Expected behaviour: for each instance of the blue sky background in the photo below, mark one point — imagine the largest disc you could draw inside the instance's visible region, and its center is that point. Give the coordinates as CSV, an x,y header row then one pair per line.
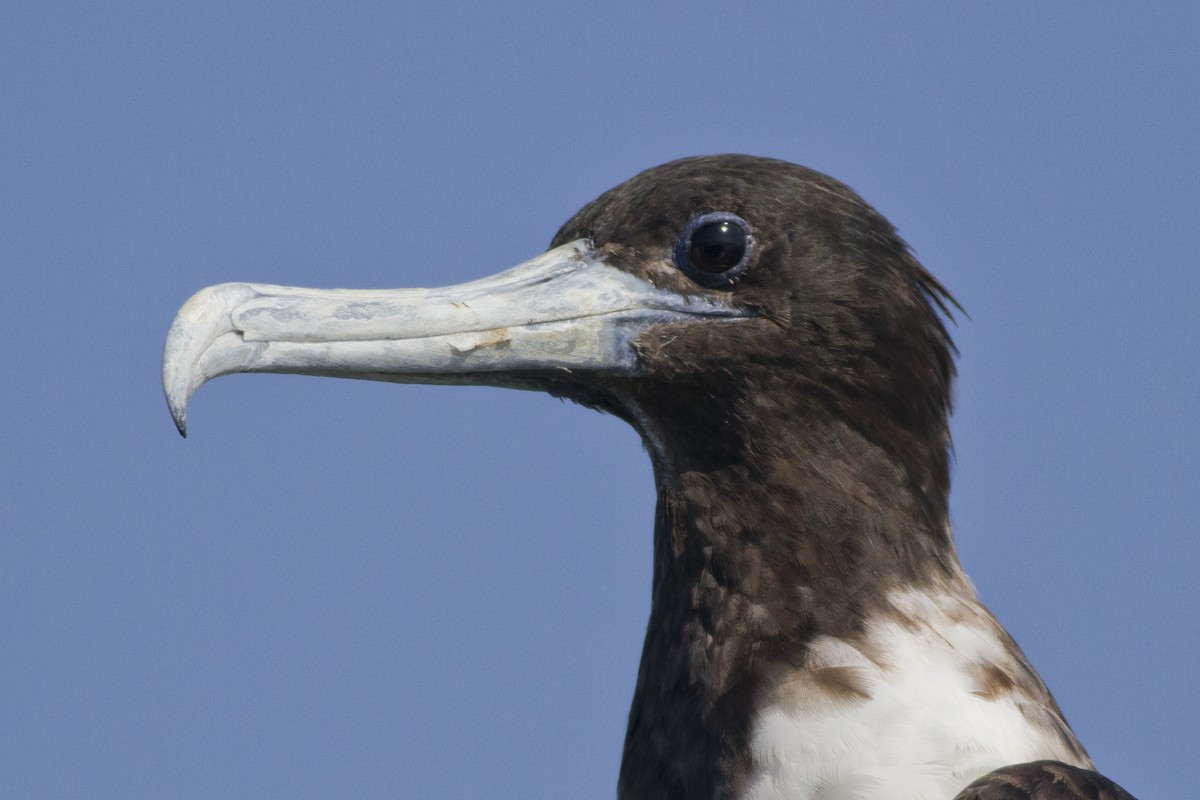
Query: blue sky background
x,y
346,589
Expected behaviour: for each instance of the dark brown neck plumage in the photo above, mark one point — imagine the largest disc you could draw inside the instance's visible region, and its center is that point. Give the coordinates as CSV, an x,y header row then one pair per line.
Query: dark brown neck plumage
x,y
763,542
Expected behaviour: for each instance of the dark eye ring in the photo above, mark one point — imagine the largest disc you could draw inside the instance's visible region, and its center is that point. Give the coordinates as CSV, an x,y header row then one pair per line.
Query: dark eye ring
x,y
715,249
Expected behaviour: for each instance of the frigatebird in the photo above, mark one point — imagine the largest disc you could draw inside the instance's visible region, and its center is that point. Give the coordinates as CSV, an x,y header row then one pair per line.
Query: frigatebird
x,y
785,359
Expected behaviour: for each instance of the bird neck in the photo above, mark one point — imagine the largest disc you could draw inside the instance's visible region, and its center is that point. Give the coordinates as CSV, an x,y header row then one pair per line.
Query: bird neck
x,y
762,543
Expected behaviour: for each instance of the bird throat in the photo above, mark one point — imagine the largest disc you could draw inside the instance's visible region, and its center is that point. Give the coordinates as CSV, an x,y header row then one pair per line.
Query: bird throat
x,y
762,545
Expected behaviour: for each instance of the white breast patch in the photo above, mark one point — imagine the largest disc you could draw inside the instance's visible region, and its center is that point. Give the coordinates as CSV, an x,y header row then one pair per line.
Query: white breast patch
x,y
908,717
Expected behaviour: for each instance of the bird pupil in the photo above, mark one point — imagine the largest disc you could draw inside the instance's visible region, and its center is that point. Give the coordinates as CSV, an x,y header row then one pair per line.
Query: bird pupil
x,y
717,246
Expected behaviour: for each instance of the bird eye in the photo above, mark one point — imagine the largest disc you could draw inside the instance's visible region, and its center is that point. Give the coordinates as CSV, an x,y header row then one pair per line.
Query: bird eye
x,y
714,249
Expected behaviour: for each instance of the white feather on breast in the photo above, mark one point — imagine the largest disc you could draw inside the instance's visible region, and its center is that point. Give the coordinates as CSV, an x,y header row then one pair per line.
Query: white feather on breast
x,y
933,696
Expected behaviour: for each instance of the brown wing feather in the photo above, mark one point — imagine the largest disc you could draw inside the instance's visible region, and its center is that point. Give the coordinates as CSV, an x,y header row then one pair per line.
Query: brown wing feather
x,y
1043,780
